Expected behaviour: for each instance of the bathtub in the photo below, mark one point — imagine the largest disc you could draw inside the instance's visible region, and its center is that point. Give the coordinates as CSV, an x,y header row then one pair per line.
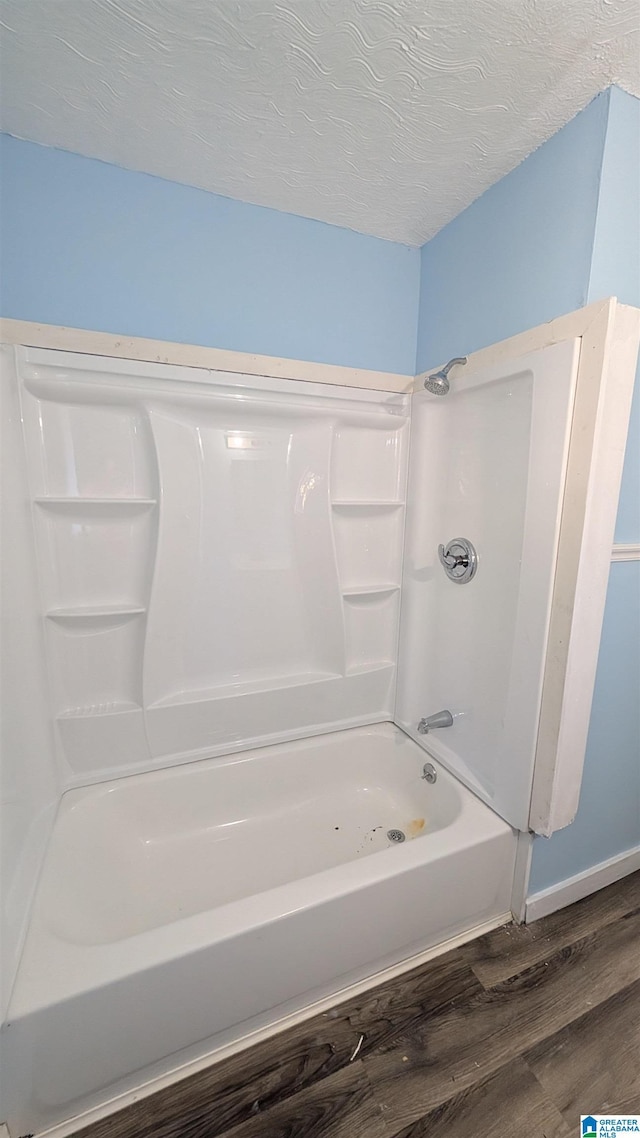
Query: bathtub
x,y
179,909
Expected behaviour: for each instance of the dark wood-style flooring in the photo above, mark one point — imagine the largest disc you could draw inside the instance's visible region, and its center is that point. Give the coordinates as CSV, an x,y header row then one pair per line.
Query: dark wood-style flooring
x,y
518,1032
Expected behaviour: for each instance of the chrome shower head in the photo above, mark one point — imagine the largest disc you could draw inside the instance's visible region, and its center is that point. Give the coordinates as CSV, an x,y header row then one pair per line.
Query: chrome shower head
x,y
438,383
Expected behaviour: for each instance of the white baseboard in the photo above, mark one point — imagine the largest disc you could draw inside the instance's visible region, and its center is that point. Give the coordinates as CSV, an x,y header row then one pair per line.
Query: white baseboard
x,y
581,885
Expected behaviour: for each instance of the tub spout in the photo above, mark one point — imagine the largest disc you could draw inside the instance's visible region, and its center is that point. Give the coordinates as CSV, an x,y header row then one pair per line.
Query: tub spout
x,y
440,719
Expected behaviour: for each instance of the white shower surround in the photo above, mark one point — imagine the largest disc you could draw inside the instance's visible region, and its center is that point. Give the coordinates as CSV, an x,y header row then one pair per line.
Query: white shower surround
x,y
365,482
385,118
219,556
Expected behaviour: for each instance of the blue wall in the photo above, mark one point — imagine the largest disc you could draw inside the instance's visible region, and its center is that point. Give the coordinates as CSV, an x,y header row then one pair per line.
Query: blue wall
x,y
521,254
93,246
615,266
558,232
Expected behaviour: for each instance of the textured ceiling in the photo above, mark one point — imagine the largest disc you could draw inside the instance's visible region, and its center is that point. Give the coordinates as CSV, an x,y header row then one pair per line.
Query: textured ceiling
x,y
386,116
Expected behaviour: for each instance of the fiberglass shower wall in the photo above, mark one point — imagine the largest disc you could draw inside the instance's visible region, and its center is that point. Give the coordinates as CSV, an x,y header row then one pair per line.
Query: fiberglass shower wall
x,y
219,559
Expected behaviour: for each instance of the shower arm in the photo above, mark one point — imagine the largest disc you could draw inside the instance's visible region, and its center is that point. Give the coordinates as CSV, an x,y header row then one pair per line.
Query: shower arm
x,y
444,372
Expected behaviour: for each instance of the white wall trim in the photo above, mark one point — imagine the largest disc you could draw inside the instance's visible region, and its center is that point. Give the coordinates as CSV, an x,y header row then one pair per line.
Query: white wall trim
x,y
574,888
58,337
607,368
626,552
192,355
565,327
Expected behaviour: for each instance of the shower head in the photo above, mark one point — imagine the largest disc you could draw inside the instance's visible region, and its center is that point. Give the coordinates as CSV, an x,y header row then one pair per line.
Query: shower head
x,y
438,383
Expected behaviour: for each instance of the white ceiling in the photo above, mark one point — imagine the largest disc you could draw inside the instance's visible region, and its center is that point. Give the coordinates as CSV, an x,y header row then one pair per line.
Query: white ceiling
x,y
386,116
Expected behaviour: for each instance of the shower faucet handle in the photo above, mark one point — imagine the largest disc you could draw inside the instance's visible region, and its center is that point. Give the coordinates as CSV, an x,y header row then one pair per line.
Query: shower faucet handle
x,y
451,560
459,560
439,719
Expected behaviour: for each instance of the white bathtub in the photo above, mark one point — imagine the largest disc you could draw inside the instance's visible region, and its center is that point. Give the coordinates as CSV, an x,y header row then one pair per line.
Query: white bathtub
x,y
179,909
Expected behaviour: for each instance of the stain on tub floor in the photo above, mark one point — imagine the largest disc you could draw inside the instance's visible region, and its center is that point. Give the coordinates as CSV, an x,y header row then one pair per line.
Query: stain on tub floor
x,y
415,827
518,1032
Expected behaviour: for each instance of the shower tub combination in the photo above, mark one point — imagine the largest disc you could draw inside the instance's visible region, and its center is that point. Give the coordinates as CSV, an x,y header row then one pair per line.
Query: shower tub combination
x,y
224,706
180,909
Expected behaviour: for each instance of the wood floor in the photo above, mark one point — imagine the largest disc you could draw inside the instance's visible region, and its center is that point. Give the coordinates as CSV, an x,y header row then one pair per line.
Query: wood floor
x,y
517,1033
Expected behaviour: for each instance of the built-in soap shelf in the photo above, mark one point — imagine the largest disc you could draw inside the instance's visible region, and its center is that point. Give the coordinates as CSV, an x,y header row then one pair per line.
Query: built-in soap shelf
x,y
366,504
96,551
95,710
84,503
90,613
353,592
370,616
96,655
367,533
368,669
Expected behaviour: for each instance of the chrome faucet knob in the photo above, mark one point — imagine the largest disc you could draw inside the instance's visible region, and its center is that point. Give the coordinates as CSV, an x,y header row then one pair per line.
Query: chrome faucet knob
x,y
459,560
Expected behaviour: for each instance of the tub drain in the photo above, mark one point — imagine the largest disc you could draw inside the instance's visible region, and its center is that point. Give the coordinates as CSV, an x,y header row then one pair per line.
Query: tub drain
x,y
395,836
